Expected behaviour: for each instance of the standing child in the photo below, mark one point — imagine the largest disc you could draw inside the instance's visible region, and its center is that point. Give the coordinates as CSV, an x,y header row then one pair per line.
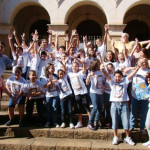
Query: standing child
x,y
50,82
119,102
65,98
147,80
97,79
14,85
35,93
80,90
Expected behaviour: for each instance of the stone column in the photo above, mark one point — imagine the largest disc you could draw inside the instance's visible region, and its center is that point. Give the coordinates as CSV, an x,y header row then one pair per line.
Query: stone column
x,y
115,31
4,31
61,30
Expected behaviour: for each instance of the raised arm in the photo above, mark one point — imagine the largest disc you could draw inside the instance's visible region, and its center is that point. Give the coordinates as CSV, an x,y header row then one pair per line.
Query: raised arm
x,y
23,40
56,42
67,41
125,51
133,73
16,38
105,72
11,44
114,49
50,36
85,41
106,32
134,48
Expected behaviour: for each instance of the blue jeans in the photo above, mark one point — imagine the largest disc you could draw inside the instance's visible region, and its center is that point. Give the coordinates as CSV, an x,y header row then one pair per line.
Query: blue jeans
x,y
52,108
66,104
20,101
120,110
107,108
137,105
97,101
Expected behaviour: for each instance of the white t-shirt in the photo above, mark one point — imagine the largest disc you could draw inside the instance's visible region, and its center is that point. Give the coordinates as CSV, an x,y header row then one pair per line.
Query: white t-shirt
x,y
97,83
119,90
102,50
107,86
22,61
34,87
64,86
15,85
139,77
35,63
53,90
77,83
41,67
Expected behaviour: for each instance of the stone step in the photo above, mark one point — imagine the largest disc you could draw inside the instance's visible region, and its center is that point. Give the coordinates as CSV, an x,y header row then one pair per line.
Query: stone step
x,y
63,144
81,133
7,74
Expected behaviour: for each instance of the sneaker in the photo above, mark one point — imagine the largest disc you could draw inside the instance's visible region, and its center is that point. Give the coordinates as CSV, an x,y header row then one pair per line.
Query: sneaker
x,y
129,141
71,125
63,125
91,106
115,140
89,126
47,125
97,126
9,123
21,123
79,125
146,143
56,125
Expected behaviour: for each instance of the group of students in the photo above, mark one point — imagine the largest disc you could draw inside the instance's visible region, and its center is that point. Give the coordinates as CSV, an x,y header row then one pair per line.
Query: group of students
x,y
117,80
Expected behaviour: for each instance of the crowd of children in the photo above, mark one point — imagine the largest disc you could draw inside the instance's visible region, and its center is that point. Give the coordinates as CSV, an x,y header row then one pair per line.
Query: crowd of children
x,y
116,80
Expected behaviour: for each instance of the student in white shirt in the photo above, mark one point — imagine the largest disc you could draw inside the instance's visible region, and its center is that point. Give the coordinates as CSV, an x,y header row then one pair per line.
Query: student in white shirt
x,y
50,82
136,103
35,93
80,90
65,99
119,102
14,85
96,78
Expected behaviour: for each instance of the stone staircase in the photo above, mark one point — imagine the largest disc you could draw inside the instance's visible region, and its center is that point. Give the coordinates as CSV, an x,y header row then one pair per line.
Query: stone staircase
x,y
35,138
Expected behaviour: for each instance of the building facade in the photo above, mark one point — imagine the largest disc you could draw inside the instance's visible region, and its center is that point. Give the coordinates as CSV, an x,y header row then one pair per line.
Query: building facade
x,y
87,16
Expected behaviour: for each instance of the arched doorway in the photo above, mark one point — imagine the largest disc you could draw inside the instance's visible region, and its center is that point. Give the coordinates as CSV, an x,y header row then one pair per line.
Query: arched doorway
x,y
88,20
89,28
137,29
138,22
30,18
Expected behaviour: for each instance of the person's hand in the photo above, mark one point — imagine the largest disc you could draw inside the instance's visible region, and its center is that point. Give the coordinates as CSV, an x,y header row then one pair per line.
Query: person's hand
x,y
82,60
136,41
92,73
49,31
30,98
98,53
102,67
14,32
74,32
106,27
84,38
23,36
15,45
10,36
67,38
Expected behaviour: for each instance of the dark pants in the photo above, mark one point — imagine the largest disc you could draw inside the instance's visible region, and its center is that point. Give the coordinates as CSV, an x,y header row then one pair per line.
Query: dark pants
x,y
39,106
66,104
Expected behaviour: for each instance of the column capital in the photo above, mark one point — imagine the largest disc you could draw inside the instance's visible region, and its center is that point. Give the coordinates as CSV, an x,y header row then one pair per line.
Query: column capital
x,y
59,28
116,29
5,28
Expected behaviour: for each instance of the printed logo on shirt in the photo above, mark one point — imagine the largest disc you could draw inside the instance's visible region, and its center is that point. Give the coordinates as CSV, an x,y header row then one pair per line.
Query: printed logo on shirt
x,y
118,91
16,88
76,84
53,88
99,82
64,87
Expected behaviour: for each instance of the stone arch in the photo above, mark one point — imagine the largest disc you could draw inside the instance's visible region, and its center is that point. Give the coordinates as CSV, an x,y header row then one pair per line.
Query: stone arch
x,y
137,17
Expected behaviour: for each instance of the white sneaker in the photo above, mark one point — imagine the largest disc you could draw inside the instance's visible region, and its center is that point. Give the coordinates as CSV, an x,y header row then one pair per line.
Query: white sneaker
x,y
129,141
79,125
56,125
115,140
146,143
63,125
71,125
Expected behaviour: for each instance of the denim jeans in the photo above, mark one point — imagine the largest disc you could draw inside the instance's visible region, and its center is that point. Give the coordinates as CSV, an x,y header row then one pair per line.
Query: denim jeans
x,y
97,101
39,106
107,107
120,110
66,104
52,108
137,105
148,123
